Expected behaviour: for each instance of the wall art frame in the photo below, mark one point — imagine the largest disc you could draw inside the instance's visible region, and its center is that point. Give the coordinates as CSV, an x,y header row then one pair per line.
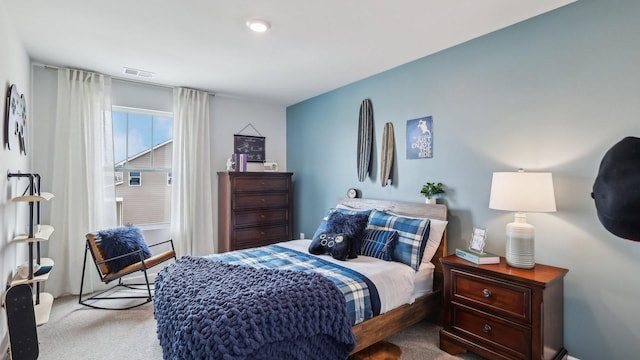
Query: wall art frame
x,y
253,146
478,240
420,138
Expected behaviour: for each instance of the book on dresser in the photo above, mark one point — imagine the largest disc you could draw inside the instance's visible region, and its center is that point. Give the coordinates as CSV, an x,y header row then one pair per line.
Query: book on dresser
x,y
478,258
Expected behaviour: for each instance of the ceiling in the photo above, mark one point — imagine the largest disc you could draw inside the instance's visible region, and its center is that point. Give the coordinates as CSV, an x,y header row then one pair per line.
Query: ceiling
x,y
312,47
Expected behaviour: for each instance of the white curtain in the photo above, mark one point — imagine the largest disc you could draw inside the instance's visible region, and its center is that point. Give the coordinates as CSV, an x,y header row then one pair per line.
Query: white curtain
x,y
83,178
191,203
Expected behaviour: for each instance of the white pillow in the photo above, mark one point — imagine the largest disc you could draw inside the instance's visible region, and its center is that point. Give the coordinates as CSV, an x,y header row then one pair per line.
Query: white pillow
x,y
436,230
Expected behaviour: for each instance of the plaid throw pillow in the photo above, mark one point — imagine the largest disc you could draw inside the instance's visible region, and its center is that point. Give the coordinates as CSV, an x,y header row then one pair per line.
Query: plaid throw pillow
x,y
411,235
379,244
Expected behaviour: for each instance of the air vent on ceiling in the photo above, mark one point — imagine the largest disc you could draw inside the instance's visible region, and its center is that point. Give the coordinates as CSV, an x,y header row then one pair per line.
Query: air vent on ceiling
x,y
137,73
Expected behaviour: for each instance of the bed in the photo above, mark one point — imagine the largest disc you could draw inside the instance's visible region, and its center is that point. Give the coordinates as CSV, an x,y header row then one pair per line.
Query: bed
x,y
176,283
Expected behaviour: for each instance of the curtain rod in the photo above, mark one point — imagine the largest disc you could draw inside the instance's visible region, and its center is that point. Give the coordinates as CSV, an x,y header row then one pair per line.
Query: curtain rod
x,y
53,67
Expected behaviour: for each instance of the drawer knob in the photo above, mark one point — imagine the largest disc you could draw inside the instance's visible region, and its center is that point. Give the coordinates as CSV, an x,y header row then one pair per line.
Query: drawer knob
x,y
486,328
486,293
263,200
262,183
262,233
261,216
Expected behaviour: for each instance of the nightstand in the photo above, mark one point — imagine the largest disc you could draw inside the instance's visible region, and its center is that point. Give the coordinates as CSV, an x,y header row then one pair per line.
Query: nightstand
x,y
502,312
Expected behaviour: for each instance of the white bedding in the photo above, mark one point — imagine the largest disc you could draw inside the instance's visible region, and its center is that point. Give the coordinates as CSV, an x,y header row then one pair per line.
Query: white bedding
x,y
397,283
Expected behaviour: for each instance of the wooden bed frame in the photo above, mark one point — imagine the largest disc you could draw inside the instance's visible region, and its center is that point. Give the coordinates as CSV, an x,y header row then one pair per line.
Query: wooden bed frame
x,y
373,330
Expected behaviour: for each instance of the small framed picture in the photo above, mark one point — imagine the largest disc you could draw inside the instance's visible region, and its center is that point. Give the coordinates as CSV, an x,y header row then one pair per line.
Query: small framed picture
x,y
478,239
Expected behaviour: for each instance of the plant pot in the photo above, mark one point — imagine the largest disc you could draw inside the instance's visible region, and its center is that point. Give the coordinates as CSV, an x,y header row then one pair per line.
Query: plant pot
x,y
430,200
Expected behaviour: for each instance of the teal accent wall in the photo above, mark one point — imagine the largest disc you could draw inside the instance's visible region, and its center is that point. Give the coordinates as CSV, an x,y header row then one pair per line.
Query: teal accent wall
x,y
553,93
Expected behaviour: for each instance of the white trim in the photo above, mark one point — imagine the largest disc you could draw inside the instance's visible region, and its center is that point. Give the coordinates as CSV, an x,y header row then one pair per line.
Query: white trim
x,y
127,109
569,357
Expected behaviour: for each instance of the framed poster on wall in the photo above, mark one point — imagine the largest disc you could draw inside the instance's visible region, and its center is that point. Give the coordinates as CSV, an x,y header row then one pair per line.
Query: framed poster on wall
x,y
420,138
253,146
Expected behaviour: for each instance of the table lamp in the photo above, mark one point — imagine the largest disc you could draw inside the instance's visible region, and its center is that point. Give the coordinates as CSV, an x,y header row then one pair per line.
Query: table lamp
x,y
521,192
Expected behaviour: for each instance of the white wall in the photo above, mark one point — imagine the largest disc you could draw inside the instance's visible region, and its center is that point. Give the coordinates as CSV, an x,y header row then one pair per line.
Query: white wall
x,y
228,116
14,69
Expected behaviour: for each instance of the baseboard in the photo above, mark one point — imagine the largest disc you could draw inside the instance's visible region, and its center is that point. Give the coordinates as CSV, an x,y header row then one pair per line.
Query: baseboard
x,y
571,358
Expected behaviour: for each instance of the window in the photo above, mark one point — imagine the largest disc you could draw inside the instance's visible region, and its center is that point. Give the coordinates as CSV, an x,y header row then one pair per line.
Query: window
x,y
143,147
135,178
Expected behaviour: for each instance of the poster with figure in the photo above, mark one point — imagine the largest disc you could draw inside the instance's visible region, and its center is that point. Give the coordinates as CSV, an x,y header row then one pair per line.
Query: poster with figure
x,y
420,138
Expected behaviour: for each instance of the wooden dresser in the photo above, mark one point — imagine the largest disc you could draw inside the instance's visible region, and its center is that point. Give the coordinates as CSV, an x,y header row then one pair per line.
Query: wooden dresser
x,y
502,312
254,209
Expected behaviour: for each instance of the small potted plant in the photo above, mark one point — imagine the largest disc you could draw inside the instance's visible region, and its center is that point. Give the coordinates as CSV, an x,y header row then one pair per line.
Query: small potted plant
x,y
431,190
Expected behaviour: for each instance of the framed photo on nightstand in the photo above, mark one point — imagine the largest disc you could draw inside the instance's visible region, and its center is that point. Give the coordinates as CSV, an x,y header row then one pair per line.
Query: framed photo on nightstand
x,y
478,240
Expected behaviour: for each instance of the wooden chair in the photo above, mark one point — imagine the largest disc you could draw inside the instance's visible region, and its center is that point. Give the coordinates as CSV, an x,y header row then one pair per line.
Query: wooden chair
x,y
93,247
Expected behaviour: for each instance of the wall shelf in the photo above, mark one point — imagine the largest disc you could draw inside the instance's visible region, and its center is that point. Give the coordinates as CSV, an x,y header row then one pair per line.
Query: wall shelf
x,y
37,233
41,233
44,262
43,309
43,196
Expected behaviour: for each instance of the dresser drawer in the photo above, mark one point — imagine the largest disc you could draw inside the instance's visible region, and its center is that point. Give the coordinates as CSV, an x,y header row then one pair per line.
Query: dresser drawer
x,y
499,297
257,201
259,236
266,216
503,336
261,183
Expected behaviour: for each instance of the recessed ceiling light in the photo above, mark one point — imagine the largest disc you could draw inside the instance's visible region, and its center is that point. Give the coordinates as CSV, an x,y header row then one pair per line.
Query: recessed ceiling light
x,y
258,25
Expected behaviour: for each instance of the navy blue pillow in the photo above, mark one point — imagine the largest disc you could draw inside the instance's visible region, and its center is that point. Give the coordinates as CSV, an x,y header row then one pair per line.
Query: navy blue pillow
x,y
322,228
121,241
336,245
379,244
352,225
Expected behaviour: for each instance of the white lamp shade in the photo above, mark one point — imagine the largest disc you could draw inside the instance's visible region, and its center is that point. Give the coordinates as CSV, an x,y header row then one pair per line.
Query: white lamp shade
x,y
522,192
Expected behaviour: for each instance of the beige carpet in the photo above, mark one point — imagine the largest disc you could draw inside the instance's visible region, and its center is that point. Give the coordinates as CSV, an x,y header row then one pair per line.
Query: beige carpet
x,y
78,332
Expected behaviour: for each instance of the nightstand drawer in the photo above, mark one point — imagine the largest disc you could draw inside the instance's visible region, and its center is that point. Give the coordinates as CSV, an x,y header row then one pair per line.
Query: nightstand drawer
x,y
505,337
256,201
498,297
267,216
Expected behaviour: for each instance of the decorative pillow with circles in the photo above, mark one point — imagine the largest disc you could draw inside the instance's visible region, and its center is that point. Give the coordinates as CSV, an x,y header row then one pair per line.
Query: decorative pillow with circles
x,y
336,245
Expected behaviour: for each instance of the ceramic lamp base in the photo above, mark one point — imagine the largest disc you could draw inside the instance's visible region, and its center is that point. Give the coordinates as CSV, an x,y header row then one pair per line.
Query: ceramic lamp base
x,y
520,249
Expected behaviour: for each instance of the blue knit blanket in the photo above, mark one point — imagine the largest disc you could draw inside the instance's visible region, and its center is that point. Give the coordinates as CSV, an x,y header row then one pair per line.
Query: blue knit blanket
x,y
361,295
212,310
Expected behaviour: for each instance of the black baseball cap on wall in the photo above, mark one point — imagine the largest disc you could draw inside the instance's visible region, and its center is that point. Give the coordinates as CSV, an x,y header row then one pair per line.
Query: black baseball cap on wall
x,y
616,190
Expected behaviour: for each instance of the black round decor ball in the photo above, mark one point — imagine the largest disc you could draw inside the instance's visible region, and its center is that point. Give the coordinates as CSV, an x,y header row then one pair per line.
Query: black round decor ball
x,y
616,190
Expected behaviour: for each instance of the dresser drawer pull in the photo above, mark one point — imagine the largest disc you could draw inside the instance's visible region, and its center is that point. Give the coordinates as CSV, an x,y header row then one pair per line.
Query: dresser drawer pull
x,y
262,233
261,216
486,328
486,293
263,200
262,183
